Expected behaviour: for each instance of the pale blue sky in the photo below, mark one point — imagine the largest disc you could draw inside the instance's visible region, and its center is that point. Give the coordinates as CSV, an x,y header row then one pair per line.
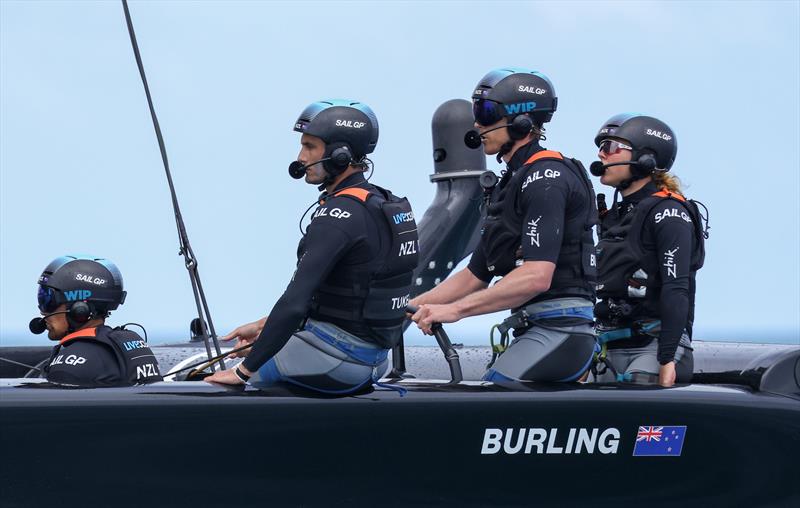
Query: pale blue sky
x,y
80,169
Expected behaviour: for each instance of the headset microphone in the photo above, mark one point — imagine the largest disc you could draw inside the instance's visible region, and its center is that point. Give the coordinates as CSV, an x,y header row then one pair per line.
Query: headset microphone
x,y
473,138
297,170
597,168
643,166
38,324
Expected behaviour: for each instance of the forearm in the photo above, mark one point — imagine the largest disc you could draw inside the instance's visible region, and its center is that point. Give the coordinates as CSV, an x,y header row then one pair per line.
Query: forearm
x,y
674,310
287,316
513,290
452,289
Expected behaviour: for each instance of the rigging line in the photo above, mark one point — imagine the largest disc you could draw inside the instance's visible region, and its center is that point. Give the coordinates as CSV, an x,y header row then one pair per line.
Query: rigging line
x,y
186,251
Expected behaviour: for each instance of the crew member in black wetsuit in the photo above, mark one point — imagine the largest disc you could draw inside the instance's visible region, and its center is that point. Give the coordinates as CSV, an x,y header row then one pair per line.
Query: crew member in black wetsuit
x,y
76,294
651,246
345,306
537,236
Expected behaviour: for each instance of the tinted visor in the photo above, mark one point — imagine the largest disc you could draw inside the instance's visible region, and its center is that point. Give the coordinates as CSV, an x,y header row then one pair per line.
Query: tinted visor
x,y
48,302
612,146
487,112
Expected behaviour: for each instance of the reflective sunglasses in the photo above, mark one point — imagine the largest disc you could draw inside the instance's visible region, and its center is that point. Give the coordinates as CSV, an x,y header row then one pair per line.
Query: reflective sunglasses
x,y
612,146
487,112
48,299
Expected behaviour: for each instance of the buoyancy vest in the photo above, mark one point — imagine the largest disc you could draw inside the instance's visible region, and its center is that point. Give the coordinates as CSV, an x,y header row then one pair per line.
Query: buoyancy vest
x,y
576,267
369,299
136,361
624,267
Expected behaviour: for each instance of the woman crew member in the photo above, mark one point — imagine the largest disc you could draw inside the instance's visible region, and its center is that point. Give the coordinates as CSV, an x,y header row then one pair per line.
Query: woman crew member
x,y
651,246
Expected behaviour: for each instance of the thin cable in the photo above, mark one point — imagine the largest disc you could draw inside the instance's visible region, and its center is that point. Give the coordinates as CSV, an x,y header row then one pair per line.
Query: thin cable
x,y
203,312
367,162
20,364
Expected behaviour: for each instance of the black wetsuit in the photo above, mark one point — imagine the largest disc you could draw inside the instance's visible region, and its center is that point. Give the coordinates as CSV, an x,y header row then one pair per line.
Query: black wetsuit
x,y
102,356
343,235
667,282
543,211
553,204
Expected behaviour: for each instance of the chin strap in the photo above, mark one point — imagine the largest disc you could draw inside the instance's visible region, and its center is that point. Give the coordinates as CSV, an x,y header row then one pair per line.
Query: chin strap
x,y
506,148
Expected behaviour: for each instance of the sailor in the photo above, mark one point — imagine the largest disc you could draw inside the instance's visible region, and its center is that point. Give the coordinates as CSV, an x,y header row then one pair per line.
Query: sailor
x,y
536,236
651,246
76,295
343,310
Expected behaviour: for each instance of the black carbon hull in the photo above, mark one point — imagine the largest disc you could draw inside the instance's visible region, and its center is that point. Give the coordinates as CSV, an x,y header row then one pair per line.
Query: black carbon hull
x,y
150,446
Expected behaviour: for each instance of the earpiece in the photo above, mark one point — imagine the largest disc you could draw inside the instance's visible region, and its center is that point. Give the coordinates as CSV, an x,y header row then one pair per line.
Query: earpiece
x,y
339,156
80,312
520,127
644,165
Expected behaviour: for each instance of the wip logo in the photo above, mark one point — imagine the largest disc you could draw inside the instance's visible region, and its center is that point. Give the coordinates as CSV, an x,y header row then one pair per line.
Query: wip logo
x,y
520,107
78,294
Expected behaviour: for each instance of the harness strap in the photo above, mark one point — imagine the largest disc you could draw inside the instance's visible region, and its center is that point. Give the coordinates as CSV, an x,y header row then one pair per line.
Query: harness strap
x,y
544,154
370,357
646,327
356,192
80,334
664,193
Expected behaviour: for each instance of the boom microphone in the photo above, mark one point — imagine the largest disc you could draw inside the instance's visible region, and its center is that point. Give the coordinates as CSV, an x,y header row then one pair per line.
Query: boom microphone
x,y
38,324
597,168
473,138
297,169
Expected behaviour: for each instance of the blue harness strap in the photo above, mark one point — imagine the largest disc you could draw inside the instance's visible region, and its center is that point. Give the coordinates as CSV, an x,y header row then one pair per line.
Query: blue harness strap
x,y
368,356
646,327
371,357
586,312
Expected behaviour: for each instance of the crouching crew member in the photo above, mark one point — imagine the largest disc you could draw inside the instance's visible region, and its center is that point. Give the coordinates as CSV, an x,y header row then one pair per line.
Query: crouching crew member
x,y
651,246
76,295
344,308
537,235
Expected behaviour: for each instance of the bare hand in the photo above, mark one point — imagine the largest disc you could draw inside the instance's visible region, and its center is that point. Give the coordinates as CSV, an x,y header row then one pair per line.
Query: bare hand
x,y
227,377
428,314
245,335
666,375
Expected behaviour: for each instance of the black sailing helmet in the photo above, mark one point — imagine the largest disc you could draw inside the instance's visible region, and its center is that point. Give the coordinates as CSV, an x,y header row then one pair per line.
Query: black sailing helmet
x,y
71,279
647,135
337,122
508,92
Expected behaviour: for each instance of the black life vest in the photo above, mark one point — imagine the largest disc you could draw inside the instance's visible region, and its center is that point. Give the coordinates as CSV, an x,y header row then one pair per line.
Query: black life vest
x,y
621,253
576,267
372,304
136,362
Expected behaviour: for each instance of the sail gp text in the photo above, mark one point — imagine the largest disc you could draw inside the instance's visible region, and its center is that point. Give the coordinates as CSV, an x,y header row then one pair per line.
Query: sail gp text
x,y
550,442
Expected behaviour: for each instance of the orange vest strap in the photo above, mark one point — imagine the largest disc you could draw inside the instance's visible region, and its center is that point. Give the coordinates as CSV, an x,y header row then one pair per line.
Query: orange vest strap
x,y
664,193
86,332
544,154
356,192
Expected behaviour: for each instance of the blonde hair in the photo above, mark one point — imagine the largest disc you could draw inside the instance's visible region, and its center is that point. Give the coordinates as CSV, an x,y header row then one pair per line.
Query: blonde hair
x,y
664,180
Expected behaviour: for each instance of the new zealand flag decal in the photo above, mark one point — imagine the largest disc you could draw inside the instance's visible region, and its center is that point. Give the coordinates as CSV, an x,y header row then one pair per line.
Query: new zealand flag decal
x,y
652,441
